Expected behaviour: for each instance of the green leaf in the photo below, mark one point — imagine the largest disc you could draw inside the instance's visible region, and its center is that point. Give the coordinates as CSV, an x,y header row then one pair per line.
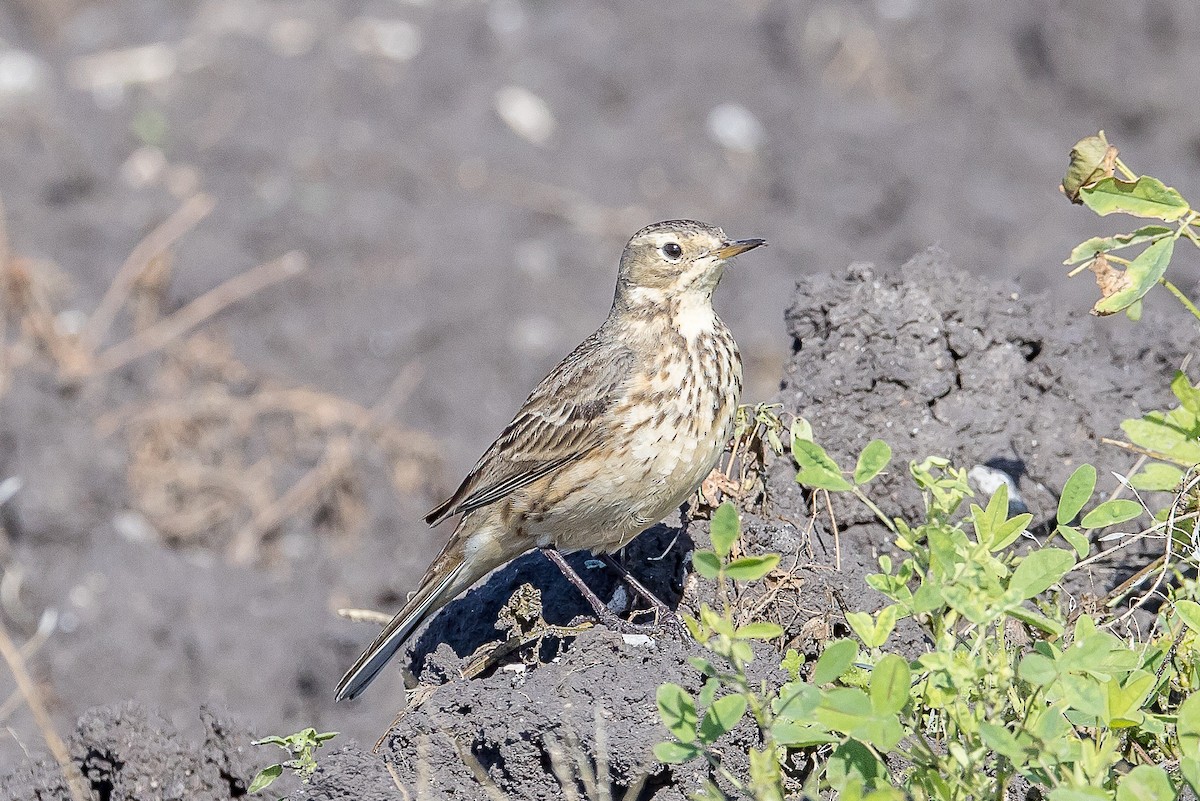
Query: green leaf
x,y
721,717
1111,512
872,461
707,563
1189,612
1064,793
274,739
792,662
677,710
751,568
874,630
854,762
801,430
1039,570
1145,197
1091,159
676,753
1146,783
817,469
796,701
891,681
1103,244
1075,539
1037,669
1002,741
990,518
1188,395
1037,620
1153,433
759,630
1187,724
844,709
1189,768
264,778
1076,493
1143,273
802,735
834,661
1157,477
724,529
1008,531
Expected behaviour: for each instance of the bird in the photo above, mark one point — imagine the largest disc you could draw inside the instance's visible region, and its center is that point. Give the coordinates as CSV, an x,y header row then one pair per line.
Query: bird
x,y
614,439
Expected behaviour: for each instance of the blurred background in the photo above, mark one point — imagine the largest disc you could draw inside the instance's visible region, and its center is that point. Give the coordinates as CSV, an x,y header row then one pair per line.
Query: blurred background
x,y
397,216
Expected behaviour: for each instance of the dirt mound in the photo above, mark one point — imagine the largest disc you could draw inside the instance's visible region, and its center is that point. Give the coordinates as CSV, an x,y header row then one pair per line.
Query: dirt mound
x,y
130,753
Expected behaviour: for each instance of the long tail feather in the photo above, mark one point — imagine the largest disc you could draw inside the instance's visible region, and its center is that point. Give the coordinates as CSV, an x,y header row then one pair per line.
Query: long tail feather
x,y
398,630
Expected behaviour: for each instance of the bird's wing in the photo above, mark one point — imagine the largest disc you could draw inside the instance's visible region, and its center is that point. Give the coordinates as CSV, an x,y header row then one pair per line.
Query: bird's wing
x,y
556,425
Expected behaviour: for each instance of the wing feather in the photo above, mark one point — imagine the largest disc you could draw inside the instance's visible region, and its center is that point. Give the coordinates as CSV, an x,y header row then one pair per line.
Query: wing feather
x,y
555,426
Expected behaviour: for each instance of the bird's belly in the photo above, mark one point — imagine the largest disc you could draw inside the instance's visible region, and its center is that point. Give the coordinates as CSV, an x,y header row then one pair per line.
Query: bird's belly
x,y
601,503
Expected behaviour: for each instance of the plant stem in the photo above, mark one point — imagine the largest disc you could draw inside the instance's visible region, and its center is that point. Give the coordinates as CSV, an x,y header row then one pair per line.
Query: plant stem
x,y
1187,304
1128,173
862,496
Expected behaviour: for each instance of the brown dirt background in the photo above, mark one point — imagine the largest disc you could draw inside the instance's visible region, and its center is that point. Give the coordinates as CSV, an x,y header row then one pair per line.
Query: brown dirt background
x,y
437,237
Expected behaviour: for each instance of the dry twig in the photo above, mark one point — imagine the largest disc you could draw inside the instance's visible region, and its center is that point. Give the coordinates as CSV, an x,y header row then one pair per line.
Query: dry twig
x,y
33,699
169,328
154,244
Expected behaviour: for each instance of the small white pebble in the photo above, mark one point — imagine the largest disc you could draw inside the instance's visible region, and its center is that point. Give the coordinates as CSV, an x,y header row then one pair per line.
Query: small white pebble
x,y
734,127
143,167
20,74
638,640
525,113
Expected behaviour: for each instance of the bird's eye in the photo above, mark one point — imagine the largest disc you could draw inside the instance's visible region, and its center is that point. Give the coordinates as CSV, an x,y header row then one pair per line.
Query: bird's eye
x,y
672,250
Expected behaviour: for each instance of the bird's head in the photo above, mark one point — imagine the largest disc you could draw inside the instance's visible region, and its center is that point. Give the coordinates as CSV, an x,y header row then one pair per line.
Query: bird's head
x,y
675,260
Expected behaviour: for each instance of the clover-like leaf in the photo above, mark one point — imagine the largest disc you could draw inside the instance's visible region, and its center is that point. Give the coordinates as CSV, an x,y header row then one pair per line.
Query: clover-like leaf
x,y
1157,477
1076,493
724,529
1040,570
751,568
721,717
1146,783
265,778
817,469
872,461
1141,275
835,660
1145,197
673,753
707,564
1111,512
678,711
891,683
759,630
1103,244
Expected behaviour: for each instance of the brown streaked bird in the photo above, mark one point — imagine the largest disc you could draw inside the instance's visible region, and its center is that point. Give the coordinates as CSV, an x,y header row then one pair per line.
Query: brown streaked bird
x,y
619,434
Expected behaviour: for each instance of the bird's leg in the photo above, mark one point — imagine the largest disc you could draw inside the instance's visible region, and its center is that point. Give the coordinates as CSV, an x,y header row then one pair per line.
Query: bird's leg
x,y
660,607
603,613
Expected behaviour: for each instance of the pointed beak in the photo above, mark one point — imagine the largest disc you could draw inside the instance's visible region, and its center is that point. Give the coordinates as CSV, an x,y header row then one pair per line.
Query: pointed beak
x,y
732,249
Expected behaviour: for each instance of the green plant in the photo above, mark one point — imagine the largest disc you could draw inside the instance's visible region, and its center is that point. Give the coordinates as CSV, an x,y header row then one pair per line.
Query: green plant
x,y
1091,180
1010,685
301,747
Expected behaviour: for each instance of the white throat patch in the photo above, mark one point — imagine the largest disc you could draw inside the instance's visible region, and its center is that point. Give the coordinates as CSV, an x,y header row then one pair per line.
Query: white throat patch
x,y
694,316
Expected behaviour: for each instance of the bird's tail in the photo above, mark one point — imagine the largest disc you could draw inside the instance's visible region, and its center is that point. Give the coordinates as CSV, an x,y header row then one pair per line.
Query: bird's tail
x,y
451,573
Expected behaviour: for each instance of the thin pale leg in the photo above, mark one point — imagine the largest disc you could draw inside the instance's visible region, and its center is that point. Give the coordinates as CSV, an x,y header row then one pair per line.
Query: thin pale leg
x,y
664,612
603,613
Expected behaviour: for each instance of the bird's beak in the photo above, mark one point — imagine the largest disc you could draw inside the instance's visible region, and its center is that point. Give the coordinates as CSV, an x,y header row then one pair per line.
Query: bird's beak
x,y
732,249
